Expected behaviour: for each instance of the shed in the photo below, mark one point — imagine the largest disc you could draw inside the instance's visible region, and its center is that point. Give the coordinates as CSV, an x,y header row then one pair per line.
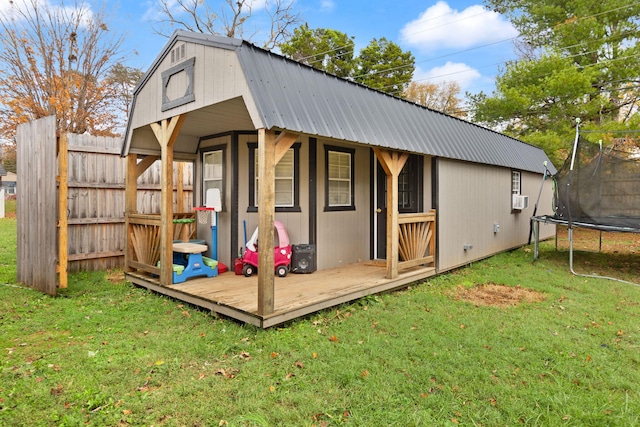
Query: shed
x,y
378,191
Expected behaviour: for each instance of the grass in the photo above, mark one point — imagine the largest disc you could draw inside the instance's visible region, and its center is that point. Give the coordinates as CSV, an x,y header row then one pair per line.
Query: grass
x,y
106,353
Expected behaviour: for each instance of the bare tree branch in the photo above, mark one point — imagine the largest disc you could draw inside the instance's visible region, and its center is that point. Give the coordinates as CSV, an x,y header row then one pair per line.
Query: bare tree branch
x,y
55,60
233,19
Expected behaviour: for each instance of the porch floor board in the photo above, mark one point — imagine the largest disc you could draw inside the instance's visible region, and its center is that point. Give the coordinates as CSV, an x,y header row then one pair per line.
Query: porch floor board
x,y
295,295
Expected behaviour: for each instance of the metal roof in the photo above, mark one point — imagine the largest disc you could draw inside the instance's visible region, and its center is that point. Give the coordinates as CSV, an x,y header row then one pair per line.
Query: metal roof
x,y
293,96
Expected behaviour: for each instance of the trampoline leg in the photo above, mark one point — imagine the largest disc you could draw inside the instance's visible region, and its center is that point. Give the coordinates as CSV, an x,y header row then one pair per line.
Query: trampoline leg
x,y
570,235
536,233
600,247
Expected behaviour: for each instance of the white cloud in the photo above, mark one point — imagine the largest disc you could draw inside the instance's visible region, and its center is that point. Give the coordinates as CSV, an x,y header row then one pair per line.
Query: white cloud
x,y
327,5
52,9
441,27
465,75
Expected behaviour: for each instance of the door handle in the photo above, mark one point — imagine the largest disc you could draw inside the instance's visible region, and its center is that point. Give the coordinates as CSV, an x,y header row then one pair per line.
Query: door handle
x,y
378,210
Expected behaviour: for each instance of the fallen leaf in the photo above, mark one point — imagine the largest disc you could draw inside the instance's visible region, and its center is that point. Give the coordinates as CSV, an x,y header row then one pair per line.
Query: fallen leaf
x,y
56,390
333,338
274,354
364,373
588,358
127,411
272,389
314,355
159,362
299,365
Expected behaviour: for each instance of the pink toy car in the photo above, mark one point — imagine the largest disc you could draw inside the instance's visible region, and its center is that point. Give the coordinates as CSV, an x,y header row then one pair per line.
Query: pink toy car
x,y
281,253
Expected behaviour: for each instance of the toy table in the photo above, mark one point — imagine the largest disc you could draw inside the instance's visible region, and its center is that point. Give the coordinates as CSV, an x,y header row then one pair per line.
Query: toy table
x,y
195,265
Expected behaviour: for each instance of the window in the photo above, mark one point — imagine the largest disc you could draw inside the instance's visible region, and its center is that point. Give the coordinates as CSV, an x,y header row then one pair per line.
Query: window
x,y
286,180
517,201
212,172
339,184
515,182
410,185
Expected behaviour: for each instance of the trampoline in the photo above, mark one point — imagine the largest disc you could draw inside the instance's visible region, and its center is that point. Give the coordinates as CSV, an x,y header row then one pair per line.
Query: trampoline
x,y
598,188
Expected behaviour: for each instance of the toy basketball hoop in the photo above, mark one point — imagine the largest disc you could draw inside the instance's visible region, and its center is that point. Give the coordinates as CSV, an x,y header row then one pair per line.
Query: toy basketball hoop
x,y
203,214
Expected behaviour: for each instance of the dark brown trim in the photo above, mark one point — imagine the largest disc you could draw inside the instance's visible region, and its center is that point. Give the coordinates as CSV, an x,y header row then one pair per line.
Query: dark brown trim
x,y
352,152
313,191
435,202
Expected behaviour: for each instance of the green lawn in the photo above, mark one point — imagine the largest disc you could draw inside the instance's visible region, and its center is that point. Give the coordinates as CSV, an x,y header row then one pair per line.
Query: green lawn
x,y
105,353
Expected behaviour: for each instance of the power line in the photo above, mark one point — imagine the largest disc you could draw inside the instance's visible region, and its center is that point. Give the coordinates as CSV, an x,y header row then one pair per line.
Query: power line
x,y
465,50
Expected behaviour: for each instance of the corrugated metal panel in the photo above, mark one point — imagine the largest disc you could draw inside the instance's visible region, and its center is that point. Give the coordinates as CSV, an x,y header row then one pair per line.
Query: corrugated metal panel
x,y
298,98
292,96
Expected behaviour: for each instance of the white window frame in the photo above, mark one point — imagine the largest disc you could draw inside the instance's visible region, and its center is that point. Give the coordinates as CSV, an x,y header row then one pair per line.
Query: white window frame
x,y
212,173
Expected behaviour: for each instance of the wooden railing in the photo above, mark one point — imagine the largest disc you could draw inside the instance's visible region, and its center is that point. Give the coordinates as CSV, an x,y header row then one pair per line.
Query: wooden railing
x,y
417,239
144,239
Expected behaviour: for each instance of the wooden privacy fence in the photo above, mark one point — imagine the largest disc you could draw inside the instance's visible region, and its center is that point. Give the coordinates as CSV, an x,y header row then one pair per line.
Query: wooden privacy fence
x,y
72,196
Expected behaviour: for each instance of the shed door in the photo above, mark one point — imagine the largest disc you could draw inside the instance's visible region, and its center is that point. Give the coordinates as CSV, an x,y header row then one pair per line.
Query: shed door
x,y
409,197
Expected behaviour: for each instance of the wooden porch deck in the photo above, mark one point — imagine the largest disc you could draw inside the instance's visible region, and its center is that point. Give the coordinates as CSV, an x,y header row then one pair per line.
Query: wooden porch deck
x,y
296,295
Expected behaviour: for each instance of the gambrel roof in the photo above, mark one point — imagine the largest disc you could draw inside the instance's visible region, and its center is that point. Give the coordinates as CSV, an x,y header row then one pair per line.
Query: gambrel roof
x,y
286,95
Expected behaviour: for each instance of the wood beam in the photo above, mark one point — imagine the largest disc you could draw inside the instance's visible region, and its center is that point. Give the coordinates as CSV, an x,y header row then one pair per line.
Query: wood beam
x,y
130,205
392,162
180,189
283,142
266,217
63,203
144,164
166,133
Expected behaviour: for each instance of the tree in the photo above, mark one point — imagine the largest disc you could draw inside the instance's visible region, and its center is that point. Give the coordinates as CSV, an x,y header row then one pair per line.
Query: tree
x,y
577,59
8,156
322,48
55,59
229,18
442,97
382,65
122,80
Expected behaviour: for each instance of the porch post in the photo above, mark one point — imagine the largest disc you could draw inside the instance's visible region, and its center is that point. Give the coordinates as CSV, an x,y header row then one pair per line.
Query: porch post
x,y
166,133
266,216
130,205
392,162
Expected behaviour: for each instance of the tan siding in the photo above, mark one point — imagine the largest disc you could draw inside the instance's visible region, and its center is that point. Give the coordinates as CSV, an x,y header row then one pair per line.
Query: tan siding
x,y
228,82
472,198
296,223
344,236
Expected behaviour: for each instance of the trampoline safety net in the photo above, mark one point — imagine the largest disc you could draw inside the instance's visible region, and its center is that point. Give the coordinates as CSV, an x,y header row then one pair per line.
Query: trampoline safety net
x,y
603,188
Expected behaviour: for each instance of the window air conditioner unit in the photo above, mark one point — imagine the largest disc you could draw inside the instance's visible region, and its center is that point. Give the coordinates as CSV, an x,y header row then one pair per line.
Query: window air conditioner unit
x,y
520,202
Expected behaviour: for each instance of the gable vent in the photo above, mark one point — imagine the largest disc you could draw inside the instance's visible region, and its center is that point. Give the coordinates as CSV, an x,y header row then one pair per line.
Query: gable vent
x,y
177,53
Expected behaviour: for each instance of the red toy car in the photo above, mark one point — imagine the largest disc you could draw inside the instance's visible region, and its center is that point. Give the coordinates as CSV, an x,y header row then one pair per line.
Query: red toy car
x,y
281,253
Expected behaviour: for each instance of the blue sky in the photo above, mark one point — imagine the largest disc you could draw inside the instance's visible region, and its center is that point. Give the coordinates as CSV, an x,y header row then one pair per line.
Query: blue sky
x,y
450,39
